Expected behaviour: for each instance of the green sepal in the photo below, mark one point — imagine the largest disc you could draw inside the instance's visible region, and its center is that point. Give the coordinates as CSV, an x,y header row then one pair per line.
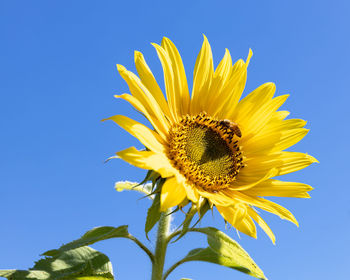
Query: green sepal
x,y
66,265
187,222
153,214
152,176
202,210
90,237
225,251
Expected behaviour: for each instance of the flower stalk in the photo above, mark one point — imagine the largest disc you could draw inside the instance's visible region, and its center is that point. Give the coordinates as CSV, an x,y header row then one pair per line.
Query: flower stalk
x,y
161,245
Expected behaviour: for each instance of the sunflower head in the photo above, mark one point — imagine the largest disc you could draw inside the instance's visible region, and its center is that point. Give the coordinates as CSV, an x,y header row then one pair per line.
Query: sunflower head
x,y
210,144
204,151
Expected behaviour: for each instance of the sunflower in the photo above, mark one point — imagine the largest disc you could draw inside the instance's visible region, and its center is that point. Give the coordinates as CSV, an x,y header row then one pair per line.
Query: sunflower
x,y
210,144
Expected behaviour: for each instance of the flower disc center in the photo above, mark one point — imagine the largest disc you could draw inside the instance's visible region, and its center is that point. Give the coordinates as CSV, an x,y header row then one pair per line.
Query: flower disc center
x,y
203,150
208,151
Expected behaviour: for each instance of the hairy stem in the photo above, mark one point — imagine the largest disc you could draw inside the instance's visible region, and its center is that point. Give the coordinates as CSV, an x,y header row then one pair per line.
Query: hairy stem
x,y
161,245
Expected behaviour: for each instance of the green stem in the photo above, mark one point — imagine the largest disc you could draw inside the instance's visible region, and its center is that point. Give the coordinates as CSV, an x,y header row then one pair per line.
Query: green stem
x,y
161,245
173,234
143,247
175,265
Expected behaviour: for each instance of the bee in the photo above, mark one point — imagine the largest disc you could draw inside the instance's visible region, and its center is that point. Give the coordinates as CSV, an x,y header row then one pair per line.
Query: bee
x,y
233,126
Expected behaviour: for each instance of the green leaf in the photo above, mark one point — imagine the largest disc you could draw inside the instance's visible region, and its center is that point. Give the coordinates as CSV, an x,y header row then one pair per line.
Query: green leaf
x,y
225,251
24,274
126,185
67,265
153,214
209,255
82,261
91,237
90,278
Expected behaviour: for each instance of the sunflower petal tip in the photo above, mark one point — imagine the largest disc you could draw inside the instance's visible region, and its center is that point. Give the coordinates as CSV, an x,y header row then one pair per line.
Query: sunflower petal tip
x,y
165,40
205,40
121,68
159,48
307,195
312,159
271,85
304,122
137,54
250,54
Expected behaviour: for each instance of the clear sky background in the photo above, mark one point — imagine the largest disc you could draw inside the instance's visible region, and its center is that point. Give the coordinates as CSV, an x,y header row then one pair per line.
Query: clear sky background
x,y
57,81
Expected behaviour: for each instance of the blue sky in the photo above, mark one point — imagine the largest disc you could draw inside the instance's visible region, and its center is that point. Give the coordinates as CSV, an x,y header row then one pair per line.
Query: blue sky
x,y
57,81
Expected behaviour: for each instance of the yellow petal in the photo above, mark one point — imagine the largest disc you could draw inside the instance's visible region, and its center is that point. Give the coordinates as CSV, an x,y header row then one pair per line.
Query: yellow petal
x,y
134,102
293,161
250,181
172,194
203,74
233,213
233,89
180,80
251,104
139,91
274,142
256,217
257,120
274,126
280,115
237,216
279,188
150,82
284,162
147,160
247,226
172,95
192,193
221,76
147,137
218,198
265,204
139,106
222,72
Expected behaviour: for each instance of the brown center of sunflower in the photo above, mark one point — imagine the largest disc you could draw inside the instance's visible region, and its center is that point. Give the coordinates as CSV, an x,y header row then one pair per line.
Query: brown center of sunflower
x,y
205,152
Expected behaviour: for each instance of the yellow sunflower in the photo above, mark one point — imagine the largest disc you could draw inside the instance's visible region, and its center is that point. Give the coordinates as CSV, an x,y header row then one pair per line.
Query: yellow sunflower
x,y
211,144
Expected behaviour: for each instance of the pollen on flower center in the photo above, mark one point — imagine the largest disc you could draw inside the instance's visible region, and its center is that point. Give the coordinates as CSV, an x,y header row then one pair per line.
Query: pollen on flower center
x,y
205,151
